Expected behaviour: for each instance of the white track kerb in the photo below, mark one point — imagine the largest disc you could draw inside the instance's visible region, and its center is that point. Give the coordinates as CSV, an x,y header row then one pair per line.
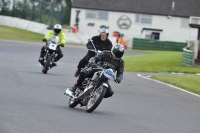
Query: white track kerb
x,y
167,85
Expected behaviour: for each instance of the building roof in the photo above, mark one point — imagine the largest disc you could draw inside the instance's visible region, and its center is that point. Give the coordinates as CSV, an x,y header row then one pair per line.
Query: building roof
x,y
183,8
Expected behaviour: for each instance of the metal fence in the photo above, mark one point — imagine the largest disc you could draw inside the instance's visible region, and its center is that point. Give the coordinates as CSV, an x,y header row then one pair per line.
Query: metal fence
x,y
43,11
187,57
146,44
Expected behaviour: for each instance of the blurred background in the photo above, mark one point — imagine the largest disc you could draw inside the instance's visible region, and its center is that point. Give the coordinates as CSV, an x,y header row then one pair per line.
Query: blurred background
x,y
44,11
134,22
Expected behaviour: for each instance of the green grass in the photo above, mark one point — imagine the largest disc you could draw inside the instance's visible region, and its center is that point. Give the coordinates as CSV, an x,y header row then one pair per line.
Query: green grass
x,y
10,33
188,82
65,26
157,61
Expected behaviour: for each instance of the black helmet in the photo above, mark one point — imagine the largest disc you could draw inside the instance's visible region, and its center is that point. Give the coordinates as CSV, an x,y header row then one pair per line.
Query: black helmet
x,y
57,28
104,30
117,51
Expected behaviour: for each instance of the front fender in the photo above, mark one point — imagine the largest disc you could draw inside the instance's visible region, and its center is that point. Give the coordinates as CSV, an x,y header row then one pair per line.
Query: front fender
x,y
105,84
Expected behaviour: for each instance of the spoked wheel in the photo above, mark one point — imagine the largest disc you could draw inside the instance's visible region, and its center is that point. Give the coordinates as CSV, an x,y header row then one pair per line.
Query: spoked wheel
x,y
96,99
72,102
47,65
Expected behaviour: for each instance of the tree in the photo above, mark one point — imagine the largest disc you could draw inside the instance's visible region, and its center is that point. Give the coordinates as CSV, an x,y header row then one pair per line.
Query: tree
x,y
4,7
44,11
67,14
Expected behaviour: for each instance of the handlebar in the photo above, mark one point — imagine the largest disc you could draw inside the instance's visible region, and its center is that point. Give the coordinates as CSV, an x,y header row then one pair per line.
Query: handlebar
x,y
60,45
98,67
91,50
96,52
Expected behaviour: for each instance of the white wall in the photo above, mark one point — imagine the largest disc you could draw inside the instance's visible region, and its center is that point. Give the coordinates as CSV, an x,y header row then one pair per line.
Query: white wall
x,y
172,30
23,24
40,28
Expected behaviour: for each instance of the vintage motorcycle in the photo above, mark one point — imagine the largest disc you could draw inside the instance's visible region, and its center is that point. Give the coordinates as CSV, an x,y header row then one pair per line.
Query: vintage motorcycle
x,y
94,88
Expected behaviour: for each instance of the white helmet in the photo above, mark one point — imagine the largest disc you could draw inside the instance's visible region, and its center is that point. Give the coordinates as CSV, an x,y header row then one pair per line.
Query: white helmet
x,y
104,30
57,28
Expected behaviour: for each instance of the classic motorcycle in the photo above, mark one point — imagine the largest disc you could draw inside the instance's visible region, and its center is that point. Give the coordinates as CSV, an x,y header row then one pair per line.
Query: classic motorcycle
x,y
50,53
94,88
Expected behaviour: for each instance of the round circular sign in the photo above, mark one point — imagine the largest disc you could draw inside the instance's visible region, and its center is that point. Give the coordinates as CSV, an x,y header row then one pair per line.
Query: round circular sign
x,y
124,22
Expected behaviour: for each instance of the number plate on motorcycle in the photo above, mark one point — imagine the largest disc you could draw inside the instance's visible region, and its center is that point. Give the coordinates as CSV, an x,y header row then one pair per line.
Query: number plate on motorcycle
x,y
109,73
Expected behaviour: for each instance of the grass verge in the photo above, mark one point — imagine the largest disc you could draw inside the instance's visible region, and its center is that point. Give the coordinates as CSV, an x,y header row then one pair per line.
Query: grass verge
x,y
157,61
188,82
10,33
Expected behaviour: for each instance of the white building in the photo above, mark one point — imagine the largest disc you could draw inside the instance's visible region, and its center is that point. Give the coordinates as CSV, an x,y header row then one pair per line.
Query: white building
x,y
157,19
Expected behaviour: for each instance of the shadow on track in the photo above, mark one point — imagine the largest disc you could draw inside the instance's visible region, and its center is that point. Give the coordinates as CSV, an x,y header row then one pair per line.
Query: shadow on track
x,y
52,74
79,109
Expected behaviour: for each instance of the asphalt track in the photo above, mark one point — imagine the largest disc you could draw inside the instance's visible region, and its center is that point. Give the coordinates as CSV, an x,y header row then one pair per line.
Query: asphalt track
x,y
32,102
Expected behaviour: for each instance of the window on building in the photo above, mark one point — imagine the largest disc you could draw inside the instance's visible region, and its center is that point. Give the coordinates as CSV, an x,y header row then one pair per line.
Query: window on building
x,y
143,19
93,14
184,22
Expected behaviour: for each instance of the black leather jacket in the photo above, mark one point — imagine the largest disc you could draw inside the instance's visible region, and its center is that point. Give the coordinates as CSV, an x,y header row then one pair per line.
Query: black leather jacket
x,y
99,44
107,60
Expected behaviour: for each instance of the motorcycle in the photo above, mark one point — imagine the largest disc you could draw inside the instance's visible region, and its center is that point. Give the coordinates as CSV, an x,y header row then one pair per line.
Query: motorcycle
x,y
50,53
94,88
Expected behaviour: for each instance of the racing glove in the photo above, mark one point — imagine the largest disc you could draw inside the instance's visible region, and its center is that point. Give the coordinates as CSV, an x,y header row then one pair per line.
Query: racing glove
x,y
117,80
44,40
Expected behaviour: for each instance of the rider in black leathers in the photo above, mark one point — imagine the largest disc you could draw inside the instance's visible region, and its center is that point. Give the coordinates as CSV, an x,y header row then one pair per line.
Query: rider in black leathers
x,y
107,59
101,42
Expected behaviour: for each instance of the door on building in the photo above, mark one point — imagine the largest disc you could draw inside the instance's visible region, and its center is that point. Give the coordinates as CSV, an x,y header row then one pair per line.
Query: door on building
x,y
155,36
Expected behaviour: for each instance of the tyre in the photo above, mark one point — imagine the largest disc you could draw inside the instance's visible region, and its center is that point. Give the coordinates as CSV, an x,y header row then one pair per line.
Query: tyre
x,y
96,99
47,65
72,103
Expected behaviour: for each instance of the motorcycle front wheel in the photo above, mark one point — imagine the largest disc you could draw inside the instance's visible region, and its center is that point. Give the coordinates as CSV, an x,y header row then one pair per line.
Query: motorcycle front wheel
x,y
96,99
47,65
72,102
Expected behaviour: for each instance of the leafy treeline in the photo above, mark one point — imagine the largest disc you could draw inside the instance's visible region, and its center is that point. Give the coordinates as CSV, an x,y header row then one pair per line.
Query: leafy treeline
x,y
43,11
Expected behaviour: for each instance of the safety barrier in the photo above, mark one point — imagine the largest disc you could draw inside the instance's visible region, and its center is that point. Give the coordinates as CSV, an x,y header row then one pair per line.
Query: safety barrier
x,y
23,24
146,44
41,28
187,57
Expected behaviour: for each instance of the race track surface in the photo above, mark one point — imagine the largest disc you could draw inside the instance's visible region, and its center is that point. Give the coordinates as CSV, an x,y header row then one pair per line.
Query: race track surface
x,y
32,102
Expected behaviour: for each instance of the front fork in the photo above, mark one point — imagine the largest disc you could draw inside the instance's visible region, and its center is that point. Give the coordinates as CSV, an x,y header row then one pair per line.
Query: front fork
x,y
47,54
104,84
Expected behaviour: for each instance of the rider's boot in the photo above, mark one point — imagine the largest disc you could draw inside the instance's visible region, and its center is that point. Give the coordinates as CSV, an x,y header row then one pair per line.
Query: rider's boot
x,y
41,58
56,59
54,64
41,61
73,89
